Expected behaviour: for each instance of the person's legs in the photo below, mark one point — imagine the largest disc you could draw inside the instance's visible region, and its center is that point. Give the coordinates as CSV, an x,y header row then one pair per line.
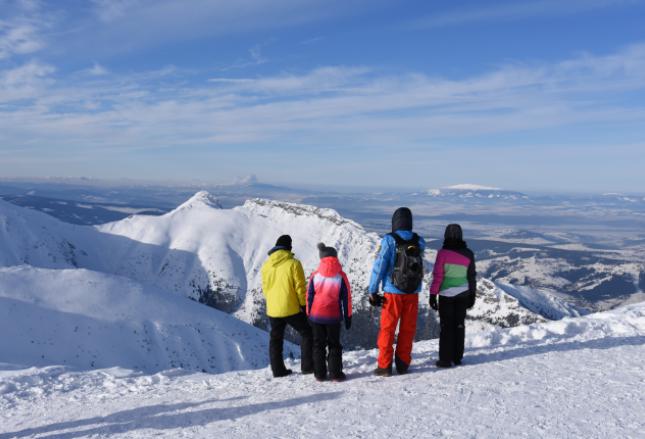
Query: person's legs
x,y
447,335
460,328
276,343
335,359
389,319
407,331
300,323
320,350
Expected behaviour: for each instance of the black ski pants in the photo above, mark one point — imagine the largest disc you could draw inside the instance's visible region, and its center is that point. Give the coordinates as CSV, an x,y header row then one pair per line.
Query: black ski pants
x,y
327,336
300,323
452,314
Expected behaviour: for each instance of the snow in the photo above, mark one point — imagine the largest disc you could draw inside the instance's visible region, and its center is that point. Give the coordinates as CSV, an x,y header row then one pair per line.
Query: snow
x,y
88,320
546,303
574,378
214,255
472,187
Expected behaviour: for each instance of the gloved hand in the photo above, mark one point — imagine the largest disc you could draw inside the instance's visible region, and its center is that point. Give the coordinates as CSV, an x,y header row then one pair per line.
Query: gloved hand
x,y
348,322
376,299
433,302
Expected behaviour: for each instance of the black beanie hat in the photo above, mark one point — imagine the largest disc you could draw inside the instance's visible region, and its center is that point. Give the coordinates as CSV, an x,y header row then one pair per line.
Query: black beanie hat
x,y
325,252
284,241
453,233
402,219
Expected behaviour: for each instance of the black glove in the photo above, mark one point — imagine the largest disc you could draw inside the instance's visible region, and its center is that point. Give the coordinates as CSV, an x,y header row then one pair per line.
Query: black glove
x,y
376,299
433,302
348,322
471,300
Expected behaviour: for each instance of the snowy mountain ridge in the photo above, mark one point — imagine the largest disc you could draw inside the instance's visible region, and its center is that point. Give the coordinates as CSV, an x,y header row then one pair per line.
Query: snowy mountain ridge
x,y
214,255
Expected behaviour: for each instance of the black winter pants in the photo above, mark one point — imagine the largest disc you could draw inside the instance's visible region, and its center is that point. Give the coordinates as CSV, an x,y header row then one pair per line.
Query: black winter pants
x,y
452,313
300,323
327,336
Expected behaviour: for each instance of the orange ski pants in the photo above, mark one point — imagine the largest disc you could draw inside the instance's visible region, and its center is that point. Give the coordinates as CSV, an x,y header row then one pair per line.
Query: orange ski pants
x,y
403,308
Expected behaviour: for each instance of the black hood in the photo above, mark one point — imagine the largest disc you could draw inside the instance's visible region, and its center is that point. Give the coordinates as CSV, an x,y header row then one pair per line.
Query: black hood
x,y
453,233
453,238
402,219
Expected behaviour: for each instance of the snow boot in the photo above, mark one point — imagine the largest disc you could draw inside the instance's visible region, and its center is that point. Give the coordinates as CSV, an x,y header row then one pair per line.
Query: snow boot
x,y
401,366
383,371
339,378
285,373
443,364
457,362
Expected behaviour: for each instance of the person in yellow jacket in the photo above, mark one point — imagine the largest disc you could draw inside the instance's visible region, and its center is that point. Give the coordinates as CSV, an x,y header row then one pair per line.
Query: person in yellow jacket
x,y
284,288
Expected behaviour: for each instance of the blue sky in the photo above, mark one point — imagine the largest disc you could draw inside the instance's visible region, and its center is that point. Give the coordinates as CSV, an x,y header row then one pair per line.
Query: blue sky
x,y
534,94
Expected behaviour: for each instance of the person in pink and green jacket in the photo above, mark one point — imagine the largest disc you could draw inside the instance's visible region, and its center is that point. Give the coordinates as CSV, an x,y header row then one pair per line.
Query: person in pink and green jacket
x,y
454,281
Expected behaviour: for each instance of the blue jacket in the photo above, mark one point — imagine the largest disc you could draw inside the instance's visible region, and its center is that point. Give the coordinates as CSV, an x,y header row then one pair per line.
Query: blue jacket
x,y
384,264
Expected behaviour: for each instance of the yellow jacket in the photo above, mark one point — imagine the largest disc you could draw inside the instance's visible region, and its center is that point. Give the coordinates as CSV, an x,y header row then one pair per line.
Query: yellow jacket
x,y
283,284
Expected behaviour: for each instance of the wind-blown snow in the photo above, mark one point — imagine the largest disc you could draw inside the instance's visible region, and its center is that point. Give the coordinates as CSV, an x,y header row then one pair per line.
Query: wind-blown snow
x,y
574,378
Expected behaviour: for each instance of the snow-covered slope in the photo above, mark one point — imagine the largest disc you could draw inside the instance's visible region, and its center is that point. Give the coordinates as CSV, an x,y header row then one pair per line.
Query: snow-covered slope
x,y
87,319
231,246
214,255
574,378
544,303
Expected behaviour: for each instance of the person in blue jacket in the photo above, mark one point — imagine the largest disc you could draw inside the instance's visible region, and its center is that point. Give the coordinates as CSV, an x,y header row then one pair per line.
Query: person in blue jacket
x,y
398,270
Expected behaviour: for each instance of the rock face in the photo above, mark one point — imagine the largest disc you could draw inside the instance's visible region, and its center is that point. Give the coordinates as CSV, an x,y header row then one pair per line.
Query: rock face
x,y
214,256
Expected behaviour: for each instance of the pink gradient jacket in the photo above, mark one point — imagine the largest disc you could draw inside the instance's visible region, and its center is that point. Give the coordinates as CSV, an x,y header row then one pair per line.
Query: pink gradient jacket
x,y
329,297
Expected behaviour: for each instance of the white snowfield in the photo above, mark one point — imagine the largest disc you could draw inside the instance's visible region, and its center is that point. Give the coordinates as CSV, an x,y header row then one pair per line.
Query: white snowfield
x,y
575,378
86,320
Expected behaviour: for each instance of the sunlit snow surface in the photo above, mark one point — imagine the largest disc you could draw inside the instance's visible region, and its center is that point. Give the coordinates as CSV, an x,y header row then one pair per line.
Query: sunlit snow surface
x,y
574,378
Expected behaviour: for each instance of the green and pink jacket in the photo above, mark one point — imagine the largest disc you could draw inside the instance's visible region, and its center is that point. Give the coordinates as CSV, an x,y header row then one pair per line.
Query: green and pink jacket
x,y
454,272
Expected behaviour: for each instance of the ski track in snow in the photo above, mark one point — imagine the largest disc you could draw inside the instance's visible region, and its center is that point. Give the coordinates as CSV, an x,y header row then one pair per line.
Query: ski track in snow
x,y
579,377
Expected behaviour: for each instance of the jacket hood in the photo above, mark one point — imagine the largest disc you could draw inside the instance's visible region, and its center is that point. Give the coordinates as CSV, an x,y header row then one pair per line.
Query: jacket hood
x,y
453,233
402,219
329,266
278,255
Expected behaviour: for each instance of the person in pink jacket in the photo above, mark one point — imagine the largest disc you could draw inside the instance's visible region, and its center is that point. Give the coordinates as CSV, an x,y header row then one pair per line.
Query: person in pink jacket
x,y
454,281
329,303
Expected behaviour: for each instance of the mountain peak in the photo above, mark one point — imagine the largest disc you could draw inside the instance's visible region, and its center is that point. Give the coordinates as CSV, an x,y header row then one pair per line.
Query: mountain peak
x,y
201,199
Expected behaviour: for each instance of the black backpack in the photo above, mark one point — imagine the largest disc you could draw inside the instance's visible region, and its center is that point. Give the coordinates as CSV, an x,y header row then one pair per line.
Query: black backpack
x,y
407,274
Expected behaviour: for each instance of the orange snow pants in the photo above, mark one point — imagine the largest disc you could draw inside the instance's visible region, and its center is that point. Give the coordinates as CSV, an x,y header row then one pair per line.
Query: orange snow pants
x,y
403,307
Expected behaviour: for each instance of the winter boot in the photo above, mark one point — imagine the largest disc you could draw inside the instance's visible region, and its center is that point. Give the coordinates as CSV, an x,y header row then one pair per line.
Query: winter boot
x,y
401,366
339,378
284,373
383,371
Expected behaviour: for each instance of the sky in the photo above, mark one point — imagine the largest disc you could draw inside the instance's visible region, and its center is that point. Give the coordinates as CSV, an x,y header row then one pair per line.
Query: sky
x,y
518,94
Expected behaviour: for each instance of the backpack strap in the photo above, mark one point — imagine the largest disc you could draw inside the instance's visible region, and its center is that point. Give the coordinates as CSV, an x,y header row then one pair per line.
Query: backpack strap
x,y
399,240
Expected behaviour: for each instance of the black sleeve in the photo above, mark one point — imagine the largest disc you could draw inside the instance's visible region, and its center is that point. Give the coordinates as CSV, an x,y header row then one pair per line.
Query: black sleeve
x,y
472,275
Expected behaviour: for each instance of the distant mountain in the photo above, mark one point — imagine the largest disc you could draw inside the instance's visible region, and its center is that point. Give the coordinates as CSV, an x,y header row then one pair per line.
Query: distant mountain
x,y
473,191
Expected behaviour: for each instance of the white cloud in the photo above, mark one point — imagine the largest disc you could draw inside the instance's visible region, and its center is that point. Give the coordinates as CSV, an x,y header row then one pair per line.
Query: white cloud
x,y
97,70
334,105
21,28
18,39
